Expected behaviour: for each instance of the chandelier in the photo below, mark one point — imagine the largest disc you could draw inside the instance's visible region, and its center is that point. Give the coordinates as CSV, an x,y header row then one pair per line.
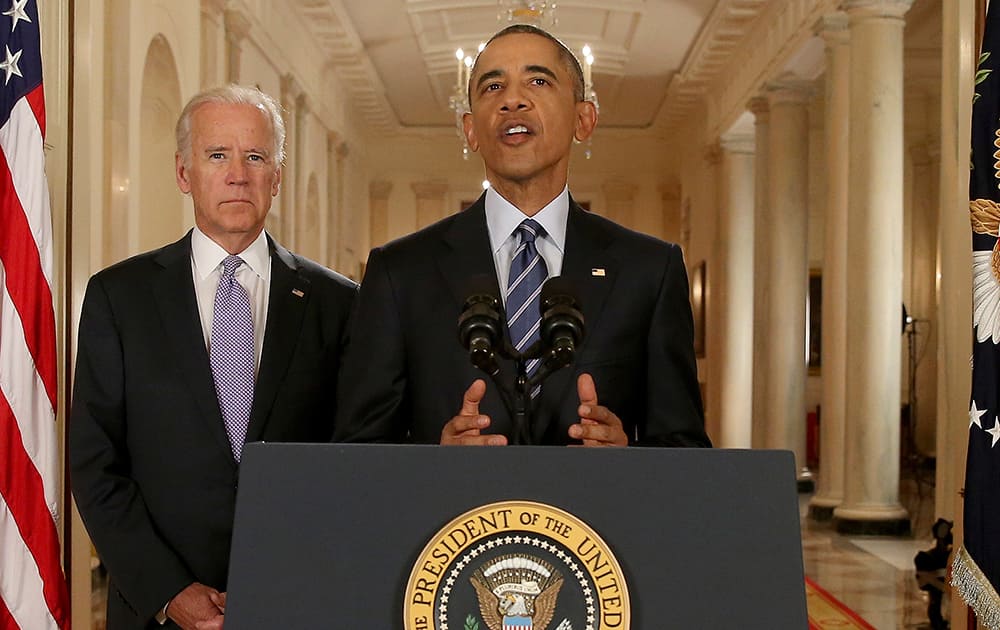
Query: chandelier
x,y
528,11
458,102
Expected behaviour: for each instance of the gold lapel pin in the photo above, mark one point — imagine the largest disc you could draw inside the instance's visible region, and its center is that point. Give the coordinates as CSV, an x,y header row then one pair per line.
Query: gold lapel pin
x,y
297,293
598,272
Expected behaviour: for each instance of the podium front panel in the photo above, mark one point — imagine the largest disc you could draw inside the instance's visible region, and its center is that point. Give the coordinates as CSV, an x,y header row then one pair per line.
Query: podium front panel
x,y
326,536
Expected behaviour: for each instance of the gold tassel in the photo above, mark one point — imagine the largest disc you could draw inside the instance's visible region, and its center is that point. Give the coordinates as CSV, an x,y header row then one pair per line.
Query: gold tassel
x,y
975,589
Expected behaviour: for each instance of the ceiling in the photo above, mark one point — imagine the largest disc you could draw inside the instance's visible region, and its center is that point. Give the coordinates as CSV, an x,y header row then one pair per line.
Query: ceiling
x,y
397,57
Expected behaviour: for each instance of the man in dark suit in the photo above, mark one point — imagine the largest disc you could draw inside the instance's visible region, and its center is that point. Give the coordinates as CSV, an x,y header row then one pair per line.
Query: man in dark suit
x,y
186,353
634,380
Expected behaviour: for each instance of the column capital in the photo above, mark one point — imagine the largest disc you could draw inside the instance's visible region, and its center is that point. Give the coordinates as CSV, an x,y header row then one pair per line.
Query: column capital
x,y
213,8
290,91
868,9
760,108
789,88
379,190
237,25
834,28
430,189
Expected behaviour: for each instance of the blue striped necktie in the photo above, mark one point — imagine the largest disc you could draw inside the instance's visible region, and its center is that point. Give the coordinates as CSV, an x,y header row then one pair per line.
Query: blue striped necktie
x,y
524,285
231,351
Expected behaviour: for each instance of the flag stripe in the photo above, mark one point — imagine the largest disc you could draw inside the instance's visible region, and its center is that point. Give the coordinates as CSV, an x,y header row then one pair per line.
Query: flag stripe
x,y
25,393
33,590
22,143
29,291
21,587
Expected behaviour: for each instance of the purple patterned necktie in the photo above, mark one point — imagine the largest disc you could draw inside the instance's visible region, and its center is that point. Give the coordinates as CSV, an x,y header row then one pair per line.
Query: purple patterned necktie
x,y
524,286
231,351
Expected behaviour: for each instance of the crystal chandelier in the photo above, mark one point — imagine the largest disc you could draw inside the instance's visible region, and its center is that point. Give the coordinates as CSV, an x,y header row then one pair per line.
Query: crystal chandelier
x,y
530,11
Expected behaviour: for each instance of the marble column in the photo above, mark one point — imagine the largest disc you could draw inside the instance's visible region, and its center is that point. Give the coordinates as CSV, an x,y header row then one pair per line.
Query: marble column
x,y
737,279
787,274
333,186
430,197
287,219
237,28
378,200
875,269
670,198
761,219
830,483
306,223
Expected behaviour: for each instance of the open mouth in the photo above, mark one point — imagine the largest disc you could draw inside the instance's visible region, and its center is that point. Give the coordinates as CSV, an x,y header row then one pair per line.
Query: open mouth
x,y
517,129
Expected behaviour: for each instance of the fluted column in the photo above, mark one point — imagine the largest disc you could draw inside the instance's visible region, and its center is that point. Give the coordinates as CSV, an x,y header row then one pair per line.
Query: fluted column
x,y
290,91
761,219
787,272
378,200
875,269
306,224
830,484
333,229
237,27
670,198
213,40
737,253
430,201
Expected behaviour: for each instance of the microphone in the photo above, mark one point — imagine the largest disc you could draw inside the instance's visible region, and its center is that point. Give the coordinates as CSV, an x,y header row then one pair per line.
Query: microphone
x,y
562,326
479,326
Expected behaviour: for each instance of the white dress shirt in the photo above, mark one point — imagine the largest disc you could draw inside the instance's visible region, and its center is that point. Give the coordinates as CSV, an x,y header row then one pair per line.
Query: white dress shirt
x,y
254,274
502,219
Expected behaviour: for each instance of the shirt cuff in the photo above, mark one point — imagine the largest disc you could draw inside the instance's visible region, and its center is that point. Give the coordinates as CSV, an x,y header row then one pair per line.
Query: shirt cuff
x,y
161,617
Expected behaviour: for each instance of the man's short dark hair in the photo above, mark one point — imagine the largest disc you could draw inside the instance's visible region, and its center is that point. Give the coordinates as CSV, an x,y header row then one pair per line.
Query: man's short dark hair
x,y
572,64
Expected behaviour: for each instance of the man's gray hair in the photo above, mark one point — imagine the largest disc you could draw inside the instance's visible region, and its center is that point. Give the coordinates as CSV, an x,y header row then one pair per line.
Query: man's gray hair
x,y
233,94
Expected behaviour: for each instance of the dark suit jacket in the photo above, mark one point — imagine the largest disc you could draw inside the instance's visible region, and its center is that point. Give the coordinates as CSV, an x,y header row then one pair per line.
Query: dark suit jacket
x,y
405,371
152,470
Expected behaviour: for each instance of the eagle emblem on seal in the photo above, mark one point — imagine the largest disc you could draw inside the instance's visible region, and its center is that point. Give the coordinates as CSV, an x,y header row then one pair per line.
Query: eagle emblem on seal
x,y
517,592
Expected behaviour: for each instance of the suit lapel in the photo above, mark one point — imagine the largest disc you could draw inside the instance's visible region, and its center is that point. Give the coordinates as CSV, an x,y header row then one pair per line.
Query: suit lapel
x,y
173,290
592,271
287,300
466,254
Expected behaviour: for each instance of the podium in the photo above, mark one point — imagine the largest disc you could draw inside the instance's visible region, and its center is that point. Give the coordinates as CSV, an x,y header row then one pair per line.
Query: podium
x,y
340,535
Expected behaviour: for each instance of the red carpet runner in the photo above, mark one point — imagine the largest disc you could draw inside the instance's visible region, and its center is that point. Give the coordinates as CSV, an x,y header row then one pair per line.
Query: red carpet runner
x,y
827,613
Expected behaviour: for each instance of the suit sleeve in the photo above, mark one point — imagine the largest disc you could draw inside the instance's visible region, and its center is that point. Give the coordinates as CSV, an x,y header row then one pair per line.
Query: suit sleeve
x,y
372,385
675,415
145,570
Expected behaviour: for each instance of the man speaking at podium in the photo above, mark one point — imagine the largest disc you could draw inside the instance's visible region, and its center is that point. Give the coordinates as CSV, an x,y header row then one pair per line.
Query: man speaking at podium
x,y
405,375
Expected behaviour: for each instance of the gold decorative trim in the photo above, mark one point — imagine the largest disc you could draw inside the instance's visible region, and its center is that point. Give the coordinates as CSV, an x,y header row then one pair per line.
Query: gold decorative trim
x,y
975,589
985,216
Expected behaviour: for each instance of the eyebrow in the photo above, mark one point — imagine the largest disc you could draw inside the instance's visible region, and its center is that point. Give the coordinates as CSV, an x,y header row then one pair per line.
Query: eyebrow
x,y
494,74
223,147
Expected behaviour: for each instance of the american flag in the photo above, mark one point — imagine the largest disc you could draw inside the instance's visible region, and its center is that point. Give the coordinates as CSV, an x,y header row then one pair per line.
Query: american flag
x,y
32,586
976,567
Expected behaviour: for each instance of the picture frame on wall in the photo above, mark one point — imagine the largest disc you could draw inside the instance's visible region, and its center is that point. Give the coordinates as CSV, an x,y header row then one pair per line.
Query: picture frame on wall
x,y
814,323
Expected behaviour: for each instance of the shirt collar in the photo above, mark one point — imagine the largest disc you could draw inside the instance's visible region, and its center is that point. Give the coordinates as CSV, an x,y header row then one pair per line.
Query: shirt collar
x,y
503,217
208,254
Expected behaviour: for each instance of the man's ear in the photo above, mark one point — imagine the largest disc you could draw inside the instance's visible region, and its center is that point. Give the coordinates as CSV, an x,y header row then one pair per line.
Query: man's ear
x,y
181,172
276,184
470,132
586,120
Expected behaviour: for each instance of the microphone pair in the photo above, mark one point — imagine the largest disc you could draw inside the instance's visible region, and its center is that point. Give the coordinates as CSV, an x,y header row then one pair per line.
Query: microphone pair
x,y
481,329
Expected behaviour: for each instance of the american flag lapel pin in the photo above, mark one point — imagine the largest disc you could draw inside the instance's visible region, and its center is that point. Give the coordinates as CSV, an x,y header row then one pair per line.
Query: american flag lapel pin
x,y
297,293
598,272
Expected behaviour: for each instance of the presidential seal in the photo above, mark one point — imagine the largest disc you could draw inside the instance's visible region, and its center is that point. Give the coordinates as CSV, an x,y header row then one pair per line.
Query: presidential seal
x,y
516,565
